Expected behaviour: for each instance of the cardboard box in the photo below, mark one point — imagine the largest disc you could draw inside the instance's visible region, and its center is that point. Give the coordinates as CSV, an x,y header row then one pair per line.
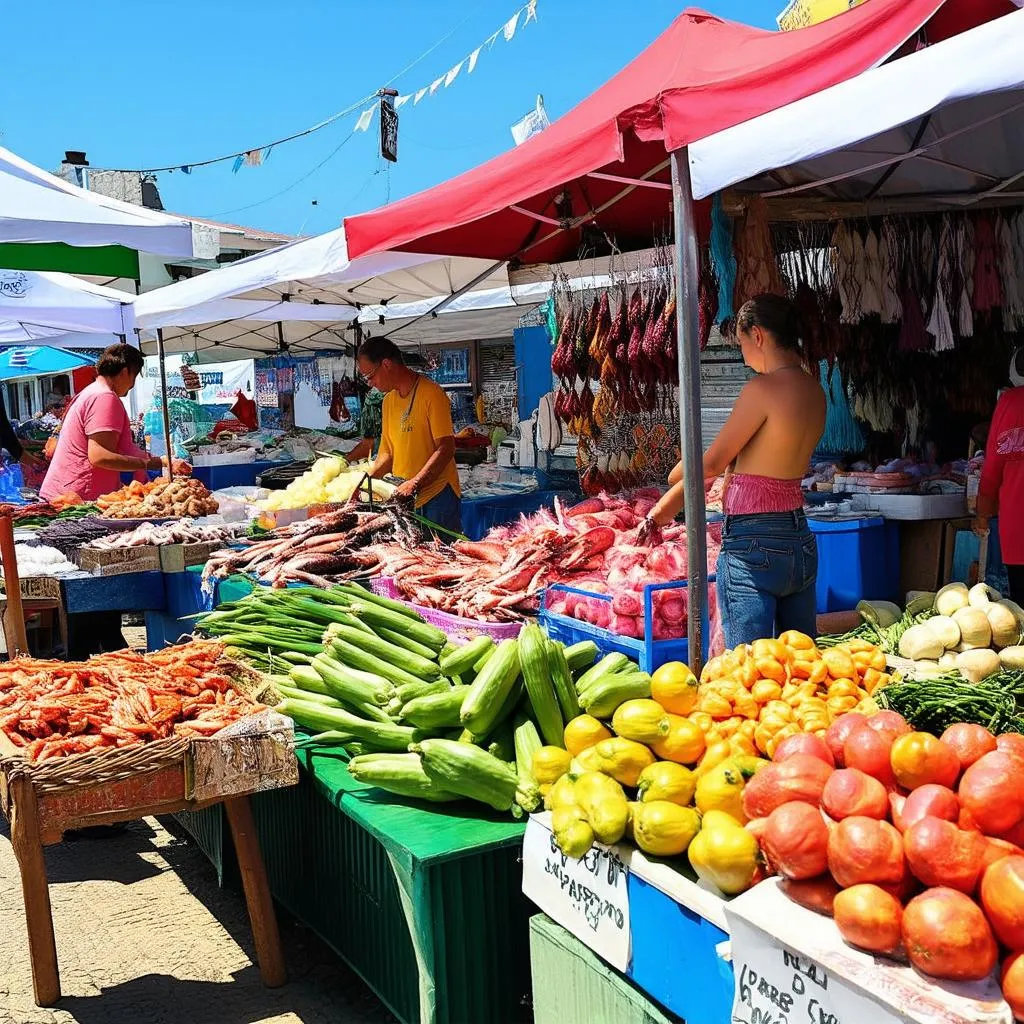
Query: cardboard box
x,y
178,557
117,561
922,557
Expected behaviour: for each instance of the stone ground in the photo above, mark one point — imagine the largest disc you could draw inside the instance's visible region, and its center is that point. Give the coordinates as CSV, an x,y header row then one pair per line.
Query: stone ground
x,y
145,936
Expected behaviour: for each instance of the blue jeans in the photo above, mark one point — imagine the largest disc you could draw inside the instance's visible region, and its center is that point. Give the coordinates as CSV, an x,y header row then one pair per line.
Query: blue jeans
x,y
445,509
766,576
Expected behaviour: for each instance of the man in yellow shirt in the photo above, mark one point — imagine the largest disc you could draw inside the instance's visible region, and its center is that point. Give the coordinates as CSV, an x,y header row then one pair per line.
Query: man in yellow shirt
x,y
417,440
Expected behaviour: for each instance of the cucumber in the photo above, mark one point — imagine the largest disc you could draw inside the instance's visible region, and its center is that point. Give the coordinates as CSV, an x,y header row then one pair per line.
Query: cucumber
x,y
413,664
609,664
436,711
582,655
464,658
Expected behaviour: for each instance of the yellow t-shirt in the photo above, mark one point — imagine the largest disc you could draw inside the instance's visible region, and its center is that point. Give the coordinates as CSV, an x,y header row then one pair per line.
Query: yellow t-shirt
x,y
410,429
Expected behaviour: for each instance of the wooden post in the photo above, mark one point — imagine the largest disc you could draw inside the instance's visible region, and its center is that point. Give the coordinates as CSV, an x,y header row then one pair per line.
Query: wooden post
x,y
28,849
265,935
14,620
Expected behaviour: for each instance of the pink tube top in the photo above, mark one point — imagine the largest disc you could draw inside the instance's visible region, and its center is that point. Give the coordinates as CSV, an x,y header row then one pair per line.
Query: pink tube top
x,y
752,495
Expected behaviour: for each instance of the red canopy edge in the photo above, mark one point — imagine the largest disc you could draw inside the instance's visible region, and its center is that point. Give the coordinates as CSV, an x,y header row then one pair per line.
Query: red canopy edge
x,y
701,75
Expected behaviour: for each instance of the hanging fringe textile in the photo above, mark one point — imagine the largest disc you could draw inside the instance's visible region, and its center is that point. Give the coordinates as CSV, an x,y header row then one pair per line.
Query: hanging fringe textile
x,y
757,268
939,325
988,288
722,258
891,264
963,244
842,436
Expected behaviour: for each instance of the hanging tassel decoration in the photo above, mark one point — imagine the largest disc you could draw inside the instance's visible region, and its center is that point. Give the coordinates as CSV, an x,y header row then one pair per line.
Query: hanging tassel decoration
x,y
889,261
939,325
722,258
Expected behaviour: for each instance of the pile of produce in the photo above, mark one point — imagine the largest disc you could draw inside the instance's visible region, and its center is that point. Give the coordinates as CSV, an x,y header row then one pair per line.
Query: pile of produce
x,y
323,547
67,535
51,709
41,560
183,531
591,546
910,841
158,499
329,480
42,513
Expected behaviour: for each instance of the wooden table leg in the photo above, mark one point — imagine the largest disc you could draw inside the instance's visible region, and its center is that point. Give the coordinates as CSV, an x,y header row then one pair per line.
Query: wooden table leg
x,y
257,892
38,917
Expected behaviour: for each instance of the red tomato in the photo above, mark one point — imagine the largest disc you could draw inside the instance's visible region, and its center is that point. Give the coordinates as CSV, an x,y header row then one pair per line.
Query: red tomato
x,y
850,792
839,731
946,936
969,742
889,721
800,777
939,853
804,743
870,918
795,841
866,850
868,750
1012,982
918,758
991,791
930,801
1002,896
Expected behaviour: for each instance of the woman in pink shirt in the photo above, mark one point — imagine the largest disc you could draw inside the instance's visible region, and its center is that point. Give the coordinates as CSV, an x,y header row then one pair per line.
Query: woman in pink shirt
x,y
95,443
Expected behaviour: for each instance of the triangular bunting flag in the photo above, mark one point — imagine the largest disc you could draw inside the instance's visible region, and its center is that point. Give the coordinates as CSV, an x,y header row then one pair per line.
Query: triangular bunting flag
x,y
509,28
364,119
402,100
420,93
453,74
237,165
531,13
436,84
473,58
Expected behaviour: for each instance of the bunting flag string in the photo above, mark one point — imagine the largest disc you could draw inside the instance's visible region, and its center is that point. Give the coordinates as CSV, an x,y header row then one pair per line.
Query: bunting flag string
x,y
257,155
508,30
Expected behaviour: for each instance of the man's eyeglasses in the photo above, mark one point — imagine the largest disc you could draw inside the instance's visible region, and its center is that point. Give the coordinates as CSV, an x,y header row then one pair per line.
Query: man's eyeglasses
x,y
369,377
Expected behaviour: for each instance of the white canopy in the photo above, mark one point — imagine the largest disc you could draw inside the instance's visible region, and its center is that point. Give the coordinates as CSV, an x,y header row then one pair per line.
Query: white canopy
x,y
35,305
318,269
940,125
40,207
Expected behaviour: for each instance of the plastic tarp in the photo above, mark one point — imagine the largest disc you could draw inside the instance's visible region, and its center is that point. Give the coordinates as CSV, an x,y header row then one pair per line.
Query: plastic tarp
x,y
39,207
318,269
945,122
39,304
38,361
701,75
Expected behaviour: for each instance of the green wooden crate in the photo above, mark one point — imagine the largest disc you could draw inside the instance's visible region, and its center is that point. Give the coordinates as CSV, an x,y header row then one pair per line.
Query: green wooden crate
x,y
573,985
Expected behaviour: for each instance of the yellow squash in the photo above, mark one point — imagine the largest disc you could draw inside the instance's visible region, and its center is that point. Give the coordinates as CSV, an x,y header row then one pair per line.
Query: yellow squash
x,y
684,744
674,687
582,732
726,855
643,721
666,780
573,833
561,794
549,764
721,789
664,829
604,805
622,759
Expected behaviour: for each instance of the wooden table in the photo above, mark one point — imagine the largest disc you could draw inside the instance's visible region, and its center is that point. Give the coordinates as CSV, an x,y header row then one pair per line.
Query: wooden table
x,y
45,801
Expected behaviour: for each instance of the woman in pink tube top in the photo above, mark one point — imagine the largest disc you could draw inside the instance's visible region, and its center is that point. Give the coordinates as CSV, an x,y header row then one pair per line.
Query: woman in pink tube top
x,y
769,561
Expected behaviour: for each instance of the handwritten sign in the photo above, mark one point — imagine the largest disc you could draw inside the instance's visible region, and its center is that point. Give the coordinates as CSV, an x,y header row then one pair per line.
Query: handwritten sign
x,y
589,897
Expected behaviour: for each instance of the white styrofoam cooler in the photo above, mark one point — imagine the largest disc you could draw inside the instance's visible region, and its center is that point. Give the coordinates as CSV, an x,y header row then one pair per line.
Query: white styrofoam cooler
x,y
913,506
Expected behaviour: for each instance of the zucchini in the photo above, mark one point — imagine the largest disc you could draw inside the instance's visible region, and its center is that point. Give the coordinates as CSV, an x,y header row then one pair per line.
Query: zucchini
x,y
436,711
410,691
305,677
609,664
420,631
351,687
317,718
491,688
401,774
527,743
464,658
561,677
582,655
413,664
533,657
603,698
354,591
308,695
503,743
407,644
471,772
355,657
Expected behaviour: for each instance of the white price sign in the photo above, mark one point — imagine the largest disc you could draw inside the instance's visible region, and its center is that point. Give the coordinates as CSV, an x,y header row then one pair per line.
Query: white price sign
x,y
589,897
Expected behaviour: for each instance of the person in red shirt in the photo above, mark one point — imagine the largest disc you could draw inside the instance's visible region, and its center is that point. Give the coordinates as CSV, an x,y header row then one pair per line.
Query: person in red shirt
x,y
1001,491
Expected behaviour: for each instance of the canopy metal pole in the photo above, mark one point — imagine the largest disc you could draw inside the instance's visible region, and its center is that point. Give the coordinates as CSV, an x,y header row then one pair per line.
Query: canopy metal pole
x,y
169,468
691,446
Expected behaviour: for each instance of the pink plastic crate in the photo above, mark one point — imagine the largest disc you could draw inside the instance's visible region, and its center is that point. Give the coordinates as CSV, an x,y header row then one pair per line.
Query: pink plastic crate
x,y
457,628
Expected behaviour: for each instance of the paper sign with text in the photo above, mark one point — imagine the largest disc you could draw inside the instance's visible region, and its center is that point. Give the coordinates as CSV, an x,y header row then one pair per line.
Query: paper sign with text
x,y
589,897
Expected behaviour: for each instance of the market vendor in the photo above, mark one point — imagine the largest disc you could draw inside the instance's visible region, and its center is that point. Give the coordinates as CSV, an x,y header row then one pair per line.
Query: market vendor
x,y
95,443
417,442
369,427
1001,489
769,561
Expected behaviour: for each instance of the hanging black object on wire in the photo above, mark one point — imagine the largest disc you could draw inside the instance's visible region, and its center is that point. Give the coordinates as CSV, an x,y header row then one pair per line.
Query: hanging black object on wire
x,y
388,125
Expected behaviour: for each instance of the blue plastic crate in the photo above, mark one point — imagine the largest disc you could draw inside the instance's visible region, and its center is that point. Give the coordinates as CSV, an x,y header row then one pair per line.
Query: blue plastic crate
x,y
674,956
858,559
647,652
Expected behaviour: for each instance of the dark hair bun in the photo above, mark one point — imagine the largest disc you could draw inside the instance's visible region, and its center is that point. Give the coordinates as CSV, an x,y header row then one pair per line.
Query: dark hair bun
x,y
772,313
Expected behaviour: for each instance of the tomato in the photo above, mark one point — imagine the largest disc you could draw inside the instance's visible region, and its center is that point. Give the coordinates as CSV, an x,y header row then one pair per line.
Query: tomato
x,y
946,936
991,790
870,918
838,732
889,721
1011,743
1012,983
939,853
817,894
800,777
804,743
1002,896
969,742
918,758
850,792
795,840
866,850
997,849
929,801
868,750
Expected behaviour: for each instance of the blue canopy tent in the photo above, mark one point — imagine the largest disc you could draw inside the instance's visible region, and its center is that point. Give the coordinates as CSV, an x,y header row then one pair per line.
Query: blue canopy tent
x,y
39,361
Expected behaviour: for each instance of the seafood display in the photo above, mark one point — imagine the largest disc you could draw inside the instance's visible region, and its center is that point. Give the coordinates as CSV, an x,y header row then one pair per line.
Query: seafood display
x,y
320,549
158,499
67,535
184,531
51,709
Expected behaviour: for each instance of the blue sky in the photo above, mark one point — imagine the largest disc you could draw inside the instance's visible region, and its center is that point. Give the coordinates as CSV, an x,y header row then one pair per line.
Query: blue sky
x,y
172,81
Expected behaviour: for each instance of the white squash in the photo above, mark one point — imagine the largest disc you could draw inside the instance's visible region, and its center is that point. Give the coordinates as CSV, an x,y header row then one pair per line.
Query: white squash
x,y
951,598
977,665
1005,627
1015,608
948,660
882,613
946,630
981,596
1012,657
919,643
928,670
920,601
975,630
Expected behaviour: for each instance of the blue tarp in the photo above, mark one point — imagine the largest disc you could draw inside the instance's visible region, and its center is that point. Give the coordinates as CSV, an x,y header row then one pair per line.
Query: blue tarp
x,y
37,360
